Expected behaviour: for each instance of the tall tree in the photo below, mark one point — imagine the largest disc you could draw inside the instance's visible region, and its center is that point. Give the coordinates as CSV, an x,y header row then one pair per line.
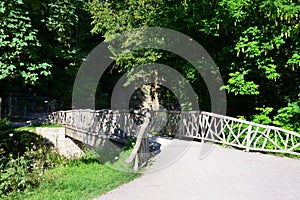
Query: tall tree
x,y
111,17
42,44
254,43
19,46
263,56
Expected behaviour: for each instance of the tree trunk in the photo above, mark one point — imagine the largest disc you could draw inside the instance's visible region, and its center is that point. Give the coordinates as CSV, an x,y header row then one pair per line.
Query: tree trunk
x,y
147,101
155,101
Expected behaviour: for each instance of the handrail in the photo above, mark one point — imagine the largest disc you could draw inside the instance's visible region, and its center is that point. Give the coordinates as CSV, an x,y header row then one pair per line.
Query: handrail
x,y
248,122
202,125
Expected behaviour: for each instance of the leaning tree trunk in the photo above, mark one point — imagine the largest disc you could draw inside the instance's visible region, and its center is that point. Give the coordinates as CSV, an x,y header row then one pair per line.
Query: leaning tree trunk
x,y
155,101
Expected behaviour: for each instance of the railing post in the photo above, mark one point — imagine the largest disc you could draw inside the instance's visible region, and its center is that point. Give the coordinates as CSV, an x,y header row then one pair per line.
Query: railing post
x,y
248,138
181,128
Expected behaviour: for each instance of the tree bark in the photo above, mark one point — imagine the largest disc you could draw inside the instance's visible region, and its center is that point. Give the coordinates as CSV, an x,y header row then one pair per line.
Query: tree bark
x,y
155,100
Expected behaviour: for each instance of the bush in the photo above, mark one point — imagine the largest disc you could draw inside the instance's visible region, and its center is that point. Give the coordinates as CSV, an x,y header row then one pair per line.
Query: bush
x,y
24,158
5,124
19,174
289,117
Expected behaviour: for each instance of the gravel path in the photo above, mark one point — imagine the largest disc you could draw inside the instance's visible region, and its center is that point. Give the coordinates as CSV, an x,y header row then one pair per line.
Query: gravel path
x,y
224,174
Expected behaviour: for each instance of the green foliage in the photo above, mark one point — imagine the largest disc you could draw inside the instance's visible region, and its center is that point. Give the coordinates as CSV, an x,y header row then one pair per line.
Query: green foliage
x,y
5,124
265,44
24,158
286,117
256,43
111,17
19,174
61,22
84,181
42,44
79,179
31,128
31,169
263,117
238,85
289,117
19,47
61,28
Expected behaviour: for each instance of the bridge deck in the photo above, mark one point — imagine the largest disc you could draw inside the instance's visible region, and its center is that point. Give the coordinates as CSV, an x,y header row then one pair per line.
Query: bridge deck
x,y
223,174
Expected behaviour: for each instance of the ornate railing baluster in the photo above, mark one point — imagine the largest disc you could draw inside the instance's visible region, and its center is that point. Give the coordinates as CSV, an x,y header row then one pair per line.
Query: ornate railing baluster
x,y
201,125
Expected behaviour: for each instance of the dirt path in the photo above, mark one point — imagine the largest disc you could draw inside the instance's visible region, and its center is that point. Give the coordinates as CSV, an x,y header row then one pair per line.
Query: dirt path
x,y
223,174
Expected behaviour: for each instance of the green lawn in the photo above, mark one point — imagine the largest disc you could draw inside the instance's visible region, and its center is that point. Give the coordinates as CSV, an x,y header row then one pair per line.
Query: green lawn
x,y
33,127
85,181
82,179
56,177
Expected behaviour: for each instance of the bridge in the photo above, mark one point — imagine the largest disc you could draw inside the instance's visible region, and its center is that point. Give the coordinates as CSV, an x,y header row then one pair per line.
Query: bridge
x,y
103,127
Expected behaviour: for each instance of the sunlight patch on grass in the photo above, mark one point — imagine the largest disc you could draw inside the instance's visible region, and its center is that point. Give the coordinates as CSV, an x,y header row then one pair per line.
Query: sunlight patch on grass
x,y
85,181
85,178
33,127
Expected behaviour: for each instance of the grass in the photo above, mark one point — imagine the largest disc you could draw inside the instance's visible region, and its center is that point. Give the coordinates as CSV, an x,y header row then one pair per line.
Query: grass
x,y
33,127
84,178
83,181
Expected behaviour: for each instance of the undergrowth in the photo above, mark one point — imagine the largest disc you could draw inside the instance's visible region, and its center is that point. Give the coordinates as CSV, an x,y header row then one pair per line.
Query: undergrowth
x,y
30,168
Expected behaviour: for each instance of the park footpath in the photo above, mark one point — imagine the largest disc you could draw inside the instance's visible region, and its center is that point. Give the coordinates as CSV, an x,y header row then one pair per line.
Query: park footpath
x,y
223,174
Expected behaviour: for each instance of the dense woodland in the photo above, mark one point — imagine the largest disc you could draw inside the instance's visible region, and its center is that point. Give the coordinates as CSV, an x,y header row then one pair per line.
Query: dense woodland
x,y
255,44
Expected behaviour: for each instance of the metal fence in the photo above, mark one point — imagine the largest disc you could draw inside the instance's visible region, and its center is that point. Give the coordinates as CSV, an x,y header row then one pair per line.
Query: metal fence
x,y
25,106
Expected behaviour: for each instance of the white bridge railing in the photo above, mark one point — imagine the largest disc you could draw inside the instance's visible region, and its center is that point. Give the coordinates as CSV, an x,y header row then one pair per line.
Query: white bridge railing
x,y
246,135
196,124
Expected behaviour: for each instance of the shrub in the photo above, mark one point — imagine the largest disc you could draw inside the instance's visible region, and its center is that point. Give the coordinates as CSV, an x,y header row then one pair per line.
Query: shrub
x,y
4,124
19,174
289,117
24,158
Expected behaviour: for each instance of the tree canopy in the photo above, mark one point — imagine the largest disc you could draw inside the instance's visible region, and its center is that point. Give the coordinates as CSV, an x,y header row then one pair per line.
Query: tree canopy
x,y
19,44
255,44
